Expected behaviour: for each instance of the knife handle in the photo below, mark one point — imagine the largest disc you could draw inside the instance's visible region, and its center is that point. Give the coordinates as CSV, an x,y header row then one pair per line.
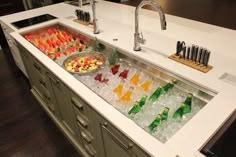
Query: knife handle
x,y
192,52
178,48
202,56
206,58
188,53
184,52
199,55
195,54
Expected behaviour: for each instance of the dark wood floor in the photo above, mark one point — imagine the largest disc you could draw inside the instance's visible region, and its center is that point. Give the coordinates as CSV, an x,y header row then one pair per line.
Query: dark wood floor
x,y
25,130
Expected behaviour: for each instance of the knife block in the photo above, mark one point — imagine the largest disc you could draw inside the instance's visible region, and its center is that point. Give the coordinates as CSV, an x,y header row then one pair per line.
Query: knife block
x,y
190,63
82,22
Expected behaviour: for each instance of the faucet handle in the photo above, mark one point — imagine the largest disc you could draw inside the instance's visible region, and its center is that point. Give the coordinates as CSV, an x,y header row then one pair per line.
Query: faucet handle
x,y
141,40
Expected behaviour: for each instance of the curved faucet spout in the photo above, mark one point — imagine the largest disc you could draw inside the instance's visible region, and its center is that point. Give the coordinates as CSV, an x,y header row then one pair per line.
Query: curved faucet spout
x,y
155,5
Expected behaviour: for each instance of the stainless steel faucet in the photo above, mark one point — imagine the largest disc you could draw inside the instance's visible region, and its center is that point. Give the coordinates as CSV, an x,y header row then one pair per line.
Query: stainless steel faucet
x,y
137,38
95,20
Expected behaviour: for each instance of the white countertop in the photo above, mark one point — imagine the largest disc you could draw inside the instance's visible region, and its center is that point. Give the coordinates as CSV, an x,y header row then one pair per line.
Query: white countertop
x,y
117,21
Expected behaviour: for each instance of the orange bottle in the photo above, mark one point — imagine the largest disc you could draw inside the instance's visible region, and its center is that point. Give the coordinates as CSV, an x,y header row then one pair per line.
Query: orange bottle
x,y
135,79
118,89
126,96
145,85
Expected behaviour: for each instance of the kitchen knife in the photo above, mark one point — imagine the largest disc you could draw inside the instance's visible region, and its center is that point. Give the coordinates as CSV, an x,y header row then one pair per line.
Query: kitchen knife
x,y
178,48
184,52
192,52
206,58
195,54
199,55
188,53
202,56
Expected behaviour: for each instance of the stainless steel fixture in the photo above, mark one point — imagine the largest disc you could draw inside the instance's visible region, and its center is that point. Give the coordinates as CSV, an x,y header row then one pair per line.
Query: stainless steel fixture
x,y
138,37
95,20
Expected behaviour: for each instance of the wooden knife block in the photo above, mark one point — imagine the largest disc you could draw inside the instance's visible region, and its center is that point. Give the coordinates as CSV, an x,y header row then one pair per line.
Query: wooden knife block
x,y
191,64
82,22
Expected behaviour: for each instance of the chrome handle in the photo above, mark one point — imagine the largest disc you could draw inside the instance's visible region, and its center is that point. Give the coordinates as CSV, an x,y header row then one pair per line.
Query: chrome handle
x,y
89,150
86,137
82,121
76,103
128,147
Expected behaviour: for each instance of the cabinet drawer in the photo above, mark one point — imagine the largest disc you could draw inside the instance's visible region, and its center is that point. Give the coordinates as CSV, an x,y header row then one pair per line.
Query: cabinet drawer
x,y
116,144
78,104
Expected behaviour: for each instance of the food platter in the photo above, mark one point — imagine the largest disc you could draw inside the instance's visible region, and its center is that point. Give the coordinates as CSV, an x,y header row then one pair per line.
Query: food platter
x,y
83,63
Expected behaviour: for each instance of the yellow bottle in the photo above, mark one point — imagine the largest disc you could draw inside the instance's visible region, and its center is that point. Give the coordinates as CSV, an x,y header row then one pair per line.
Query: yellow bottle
x,y
126,96
145,85
135,79
118,89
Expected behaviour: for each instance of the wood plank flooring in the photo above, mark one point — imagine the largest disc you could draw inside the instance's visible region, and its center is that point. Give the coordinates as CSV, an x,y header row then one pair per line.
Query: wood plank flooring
x,y
25,130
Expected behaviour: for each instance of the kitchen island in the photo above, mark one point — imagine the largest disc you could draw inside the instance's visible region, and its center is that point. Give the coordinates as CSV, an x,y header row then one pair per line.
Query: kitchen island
x,y
160,44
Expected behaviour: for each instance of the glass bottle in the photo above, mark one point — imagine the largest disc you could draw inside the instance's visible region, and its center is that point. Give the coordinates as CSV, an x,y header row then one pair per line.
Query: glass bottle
x,y
135,79
155,123
164,114
138,105
184,108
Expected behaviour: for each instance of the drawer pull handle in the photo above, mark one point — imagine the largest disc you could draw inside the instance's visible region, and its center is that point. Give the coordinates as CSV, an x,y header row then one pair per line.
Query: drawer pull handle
x,y
128,147
90,150
86,137
37,67
76,103
42,83
82,121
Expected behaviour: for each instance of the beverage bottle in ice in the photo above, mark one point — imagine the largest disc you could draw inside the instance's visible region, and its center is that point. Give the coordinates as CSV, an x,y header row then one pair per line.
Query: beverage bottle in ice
x,y
126,97
188,104
145,85
160,90
156,94
135,79
184,108
155,123
118,89
169,85
135,109
138,105
124,74
164,114
115,69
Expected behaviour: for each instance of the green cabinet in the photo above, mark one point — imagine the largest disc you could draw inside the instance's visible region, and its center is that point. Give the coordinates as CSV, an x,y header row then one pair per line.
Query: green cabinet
x,y
115,143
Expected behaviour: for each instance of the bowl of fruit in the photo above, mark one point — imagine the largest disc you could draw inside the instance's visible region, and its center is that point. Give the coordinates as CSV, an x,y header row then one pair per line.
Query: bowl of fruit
x,y
83,63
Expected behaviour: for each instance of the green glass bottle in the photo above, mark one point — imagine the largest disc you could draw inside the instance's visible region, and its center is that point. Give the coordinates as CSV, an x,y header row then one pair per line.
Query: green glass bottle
x,y
164,114
155,123
156,94
188,104
138,105
185,107
168,86
142,101
135,109
179,112
160,90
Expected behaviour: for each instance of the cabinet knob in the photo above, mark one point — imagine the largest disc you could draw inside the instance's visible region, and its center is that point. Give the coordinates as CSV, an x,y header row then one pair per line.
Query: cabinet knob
x,y
57,81
130,145
105,124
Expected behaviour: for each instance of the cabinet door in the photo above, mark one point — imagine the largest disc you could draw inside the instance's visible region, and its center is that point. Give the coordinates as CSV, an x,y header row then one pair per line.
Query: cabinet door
x,y
34,70
66,111
116,144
